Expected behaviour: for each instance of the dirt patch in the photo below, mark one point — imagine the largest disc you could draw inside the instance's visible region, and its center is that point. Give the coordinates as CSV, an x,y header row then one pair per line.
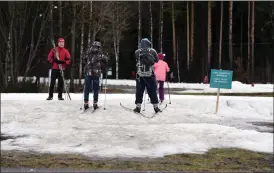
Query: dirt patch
x,y
6,137
264,126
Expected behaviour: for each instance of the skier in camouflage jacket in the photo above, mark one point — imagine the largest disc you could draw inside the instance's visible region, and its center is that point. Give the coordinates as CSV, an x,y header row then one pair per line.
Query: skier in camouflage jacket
x,y
94,62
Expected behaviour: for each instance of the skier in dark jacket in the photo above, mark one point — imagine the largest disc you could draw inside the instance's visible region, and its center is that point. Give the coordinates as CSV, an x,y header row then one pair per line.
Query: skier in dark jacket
x,y
94,63
145,77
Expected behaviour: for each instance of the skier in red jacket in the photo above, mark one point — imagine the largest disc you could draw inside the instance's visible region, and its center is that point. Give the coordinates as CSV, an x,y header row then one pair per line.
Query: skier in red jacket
x,y
64,60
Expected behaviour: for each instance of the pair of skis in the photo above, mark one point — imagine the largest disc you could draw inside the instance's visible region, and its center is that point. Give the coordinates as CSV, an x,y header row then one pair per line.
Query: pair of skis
x,y
130,110
142,114
85,110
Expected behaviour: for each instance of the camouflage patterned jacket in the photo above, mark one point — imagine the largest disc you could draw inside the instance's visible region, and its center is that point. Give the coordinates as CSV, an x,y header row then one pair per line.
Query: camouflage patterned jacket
x,y
94,61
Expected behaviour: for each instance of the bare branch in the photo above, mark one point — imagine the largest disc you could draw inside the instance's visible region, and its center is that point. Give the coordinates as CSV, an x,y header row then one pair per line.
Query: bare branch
x,y
2,25
34,49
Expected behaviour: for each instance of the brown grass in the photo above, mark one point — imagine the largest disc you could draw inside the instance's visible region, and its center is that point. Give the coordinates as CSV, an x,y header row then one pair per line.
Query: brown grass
x,y
215,160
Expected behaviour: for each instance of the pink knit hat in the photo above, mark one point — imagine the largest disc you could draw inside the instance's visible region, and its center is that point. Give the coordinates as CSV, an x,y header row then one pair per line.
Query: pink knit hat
x,y
161,56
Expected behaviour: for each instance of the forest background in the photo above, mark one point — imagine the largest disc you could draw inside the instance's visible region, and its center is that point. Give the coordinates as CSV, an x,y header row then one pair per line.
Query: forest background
x,y
196,36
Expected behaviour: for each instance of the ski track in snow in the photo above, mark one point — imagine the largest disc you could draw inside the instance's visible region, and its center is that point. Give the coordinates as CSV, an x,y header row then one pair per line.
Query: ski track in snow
x,y
188,125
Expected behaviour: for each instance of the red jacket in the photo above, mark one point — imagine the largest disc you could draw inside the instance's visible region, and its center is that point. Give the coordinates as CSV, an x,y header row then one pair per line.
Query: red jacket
x,y
63,56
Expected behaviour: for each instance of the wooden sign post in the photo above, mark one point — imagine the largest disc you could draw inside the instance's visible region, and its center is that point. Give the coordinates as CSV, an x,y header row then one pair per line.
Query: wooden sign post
x,y
220,79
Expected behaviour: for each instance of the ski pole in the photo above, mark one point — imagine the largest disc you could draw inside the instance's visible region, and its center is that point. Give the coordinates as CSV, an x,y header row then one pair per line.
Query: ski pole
x,y
49,79
101,84
83,96
145,100
168,92
105,91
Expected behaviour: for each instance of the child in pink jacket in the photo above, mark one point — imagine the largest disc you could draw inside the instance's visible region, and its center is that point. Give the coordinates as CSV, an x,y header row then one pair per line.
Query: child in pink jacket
x,y
160,70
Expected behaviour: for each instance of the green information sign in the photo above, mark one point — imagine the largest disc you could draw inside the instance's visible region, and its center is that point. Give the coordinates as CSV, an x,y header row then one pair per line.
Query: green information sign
x,y
221,79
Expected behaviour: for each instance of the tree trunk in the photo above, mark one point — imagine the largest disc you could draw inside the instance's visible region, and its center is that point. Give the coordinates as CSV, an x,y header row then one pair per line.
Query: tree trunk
x,y
18,34
9,57
114,24
51,19
241,37
90,23
178,66
267,70
192,33
81,45
209,38
230,34
116,39
140,23
173,36
15,56
60,17
117,58
248,42
151,24
72,48
93,34
221,36
31,50
161,23
187,34
252,42
7,60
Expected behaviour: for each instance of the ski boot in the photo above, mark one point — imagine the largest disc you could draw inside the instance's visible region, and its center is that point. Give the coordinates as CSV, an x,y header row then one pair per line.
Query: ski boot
x,y
49,98
137,109
95,106
157,109
86,106
60,98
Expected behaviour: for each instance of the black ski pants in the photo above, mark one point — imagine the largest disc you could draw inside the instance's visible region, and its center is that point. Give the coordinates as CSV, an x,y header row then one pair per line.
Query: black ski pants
x,y
56,74
148,83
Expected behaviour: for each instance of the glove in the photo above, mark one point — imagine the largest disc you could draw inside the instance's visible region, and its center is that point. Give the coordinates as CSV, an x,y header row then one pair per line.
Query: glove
x,y
58,61
67,61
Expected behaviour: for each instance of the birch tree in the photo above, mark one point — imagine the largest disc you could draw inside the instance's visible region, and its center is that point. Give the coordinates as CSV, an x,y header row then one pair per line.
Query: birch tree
x,y
60,17
151,24
230,52
187,34
18,16
252,42
9,57
192,32
139,23
248,41
161,24
102,9
51,19
6,31
175,12
82,43
73,34
35,40
209,37
90,23
221,36
120,23
173,34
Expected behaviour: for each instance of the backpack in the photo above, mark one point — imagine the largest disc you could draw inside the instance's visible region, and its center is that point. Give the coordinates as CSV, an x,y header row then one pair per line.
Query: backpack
x,y
145,62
